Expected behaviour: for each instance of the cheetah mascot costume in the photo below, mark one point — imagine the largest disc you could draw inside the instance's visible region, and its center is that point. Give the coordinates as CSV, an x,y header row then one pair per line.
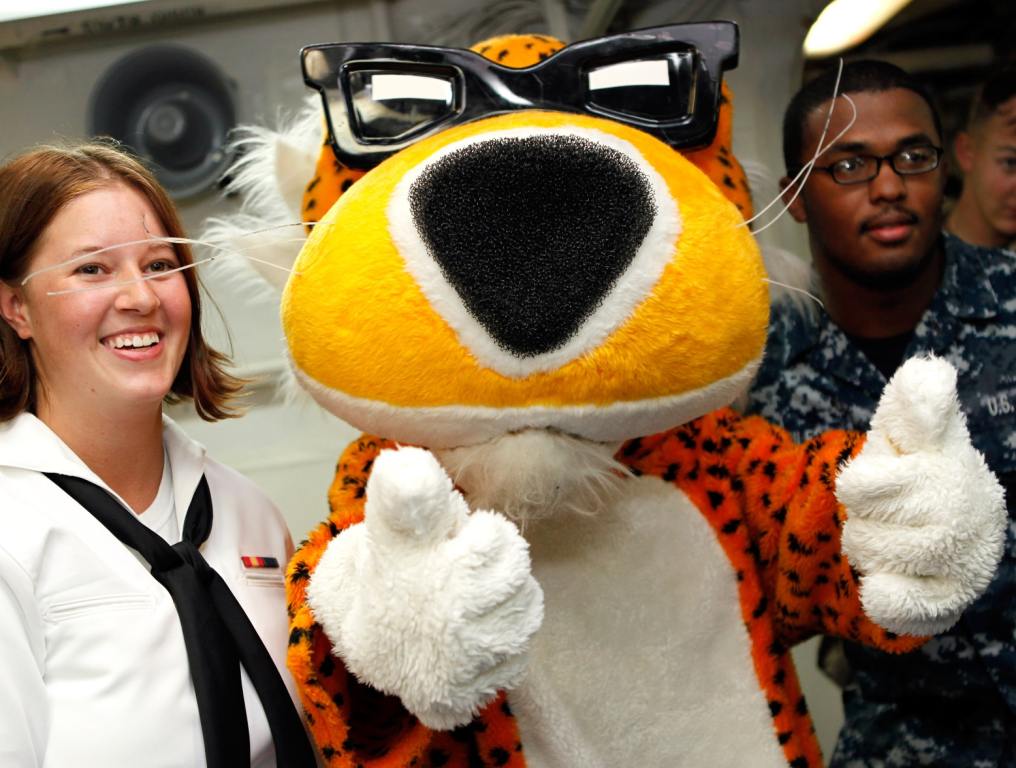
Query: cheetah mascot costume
x,y
555,547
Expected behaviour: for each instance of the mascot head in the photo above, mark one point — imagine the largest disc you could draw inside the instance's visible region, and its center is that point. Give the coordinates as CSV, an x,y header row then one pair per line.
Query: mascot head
x,y
527,236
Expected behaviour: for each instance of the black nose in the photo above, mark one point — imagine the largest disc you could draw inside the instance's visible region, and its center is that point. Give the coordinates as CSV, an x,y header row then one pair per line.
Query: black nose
x,y
532,232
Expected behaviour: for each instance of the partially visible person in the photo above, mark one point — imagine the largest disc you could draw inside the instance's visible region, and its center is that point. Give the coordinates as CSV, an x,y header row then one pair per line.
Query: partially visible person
x,y
117,649
894,286
985,213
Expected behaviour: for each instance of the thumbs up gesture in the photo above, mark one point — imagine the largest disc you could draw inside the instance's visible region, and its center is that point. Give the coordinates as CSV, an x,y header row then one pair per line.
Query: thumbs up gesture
x,y
425,600
925,516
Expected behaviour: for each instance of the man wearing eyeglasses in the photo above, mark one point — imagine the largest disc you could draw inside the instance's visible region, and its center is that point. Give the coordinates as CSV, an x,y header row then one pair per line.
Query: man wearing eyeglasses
x,y
893,285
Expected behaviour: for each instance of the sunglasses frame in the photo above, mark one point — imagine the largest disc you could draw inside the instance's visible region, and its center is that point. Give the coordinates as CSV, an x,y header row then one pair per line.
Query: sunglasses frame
x,y
559,83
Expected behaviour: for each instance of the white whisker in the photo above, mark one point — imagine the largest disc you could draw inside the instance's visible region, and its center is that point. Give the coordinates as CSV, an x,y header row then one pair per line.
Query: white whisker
x,y
274,227
120,284
808,166
211,245
237,252
242,252
267,263
96,252
794,288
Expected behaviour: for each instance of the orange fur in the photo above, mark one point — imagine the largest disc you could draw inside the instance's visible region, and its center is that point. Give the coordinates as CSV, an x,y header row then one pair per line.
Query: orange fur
x,y
771,505
518,51
717,161
384,734
331,179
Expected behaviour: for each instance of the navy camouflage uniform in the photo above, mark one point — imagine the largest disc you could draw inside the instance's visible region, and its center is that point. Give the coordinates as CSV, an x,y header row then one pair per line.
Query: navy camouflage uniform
x,y
952,702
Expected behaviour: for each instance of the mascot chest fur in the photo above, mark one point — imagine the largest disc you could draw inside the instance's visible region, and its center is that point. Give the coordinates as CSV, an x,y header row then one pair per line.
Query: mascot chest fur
x,y
644,657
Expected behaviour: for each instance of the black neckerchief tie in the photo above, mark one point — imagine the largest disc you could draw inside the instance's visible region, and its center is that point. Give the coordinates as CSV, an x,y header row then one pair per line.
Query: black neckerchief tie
x,y
217,633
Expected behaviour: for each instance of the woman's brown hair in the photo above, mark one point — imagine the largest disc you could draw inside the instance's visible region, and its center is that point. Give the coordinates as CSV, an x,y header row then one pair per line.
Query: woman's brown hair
x,y
34,187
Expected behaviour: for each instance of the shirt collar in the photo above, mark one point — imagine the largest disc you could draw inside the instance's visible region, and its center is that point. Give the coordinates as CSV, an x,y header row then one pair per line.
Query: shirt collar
x,y
845,360
27,443
966,292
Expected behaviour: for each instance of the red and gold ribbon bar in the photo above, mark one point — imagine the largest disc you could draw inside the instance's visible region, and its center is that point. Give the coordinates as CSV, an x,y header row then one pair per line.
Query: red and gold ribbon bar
x,y
251,561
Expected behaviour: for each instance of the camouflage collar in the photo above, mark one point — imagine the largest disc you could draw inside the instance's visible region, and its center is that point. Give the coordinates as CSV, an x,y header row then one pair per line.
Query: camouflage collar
x,y
966,293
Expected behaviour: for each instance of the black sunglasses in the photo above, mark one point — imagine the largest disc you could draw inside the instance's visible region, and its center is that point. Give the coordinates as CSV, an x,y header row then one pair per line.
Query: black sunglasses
x,y
381,97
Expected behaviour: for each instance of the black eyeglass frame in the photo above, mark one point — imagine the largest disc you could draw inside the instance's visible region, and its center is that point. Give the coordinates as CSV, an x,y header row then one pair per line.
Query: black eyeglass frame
x,y
484,87
879,159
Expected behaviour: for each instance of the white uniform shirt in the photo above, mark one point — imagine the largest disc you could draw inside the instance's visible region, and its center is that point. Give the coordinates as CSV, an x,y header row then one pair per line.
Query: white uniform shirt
x,y
93,667
160,517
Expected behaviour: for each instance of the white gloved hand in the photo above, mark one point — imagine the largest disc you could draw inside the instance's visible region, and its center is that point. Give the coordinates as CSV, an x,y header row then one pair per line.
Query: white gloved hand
x,y
425,600
926,517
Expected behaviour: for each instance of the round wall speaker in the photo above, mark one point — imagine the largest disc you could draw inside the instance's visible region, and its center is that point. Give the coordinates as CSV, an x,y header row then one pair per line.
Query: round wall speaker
x,y
173,107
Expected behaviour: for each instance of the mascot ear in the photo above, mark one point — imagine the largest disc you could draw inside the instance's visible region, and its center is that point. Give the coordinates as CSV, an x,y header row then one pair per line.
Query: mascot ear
x,y
293,165
717,160
518,51
330,180
269,174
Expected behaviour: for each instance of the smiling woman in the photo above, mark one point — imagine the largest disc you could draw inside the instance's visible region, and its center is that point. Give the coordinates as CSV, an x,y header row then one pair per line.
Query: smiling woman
x,y
57,204
96,347
102,325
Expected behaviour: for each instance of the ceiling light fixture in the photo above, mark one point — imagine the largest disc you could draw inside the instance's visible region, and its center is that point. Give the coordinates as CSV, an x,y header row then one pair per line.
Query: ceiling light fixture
x,y
846,23
26,9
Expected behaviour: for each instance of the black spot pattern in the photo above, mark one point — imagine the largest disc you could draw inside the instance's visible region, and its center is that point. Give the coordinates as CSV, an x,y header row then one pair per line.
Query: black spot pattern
x,y
300,573
731,525
327,667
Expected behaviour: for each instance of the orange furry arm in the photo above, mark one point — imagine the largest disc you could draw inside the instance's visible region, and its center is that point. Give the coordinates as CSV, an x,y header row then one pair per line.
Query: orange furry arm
x,y
775,499
791,504
354,725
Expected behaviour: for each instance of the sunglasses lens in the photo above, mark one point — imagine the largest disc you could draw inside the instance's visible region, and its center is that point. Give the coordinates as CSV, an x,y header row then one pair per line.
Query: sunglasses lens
x,y
658,89
392,106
